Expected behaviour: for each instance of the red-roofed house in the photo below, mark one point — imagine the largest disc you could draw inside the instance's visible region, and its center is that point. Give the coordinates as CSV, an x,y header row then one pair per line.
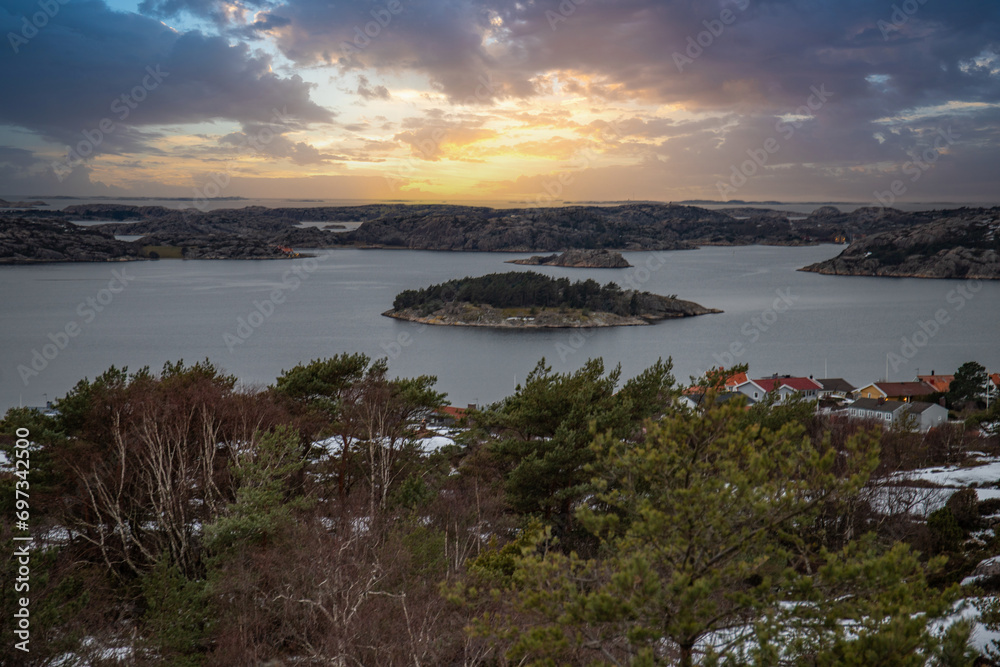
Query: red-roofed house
x,y
735,380
785,387
447,415
941,383
732,382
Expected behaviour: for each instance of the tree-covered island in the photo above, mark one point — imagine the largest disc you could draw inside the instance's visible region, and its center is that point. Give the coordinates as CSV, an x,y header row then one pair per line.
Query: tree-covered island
x,y
526,299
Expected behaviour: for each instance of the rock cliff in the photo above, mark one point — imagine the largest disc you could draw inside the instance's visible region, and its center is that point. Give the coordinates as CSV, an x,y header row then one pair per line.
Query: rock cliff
x,y
578,259
963,245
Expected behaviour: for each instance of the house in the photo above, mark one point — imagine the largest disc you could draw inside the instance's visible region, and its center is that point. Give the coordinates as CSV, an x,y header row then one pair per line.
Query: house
x,y
735,380
730,384
693,400
888,413
448,415
940,383
47,410
885,412
928,415
784,387
896,391
835,388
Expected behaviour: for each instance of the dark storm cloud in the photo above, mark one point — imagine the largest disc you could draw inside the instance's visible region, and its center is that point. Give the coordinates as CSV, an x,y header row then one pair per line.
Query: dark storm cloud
x,y
92,72
16,157
751,54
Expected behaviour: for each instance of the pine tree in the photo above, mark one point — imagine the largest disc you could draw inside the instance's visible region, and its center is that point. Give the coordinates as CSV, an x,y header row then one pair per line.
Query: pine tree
x,y
703,559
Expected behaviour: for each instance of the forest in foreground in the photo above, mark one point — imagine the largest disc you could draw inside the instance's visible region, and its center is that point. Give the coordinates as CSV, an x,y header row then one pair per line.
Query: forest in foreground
x,y
180,518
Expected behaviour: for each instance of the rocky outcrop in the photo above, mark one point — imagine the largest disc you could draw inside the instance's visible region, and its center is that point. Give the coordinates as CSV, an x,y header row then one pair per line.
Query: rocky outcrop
x,y
963,245
25,240
20,204
28,241
214,248
652,308
468,315
578,259
633,226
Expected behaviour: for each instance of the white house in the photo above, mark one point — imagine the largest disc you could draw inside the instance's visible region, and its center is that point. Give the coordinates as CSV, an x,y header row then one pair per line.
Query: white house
x,y
784,387
925,415
885,412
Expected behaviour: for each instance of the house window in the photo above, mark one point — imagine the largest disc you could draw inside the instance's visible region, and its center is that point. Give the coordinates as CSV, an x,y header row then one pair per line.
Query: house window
x,y
755,394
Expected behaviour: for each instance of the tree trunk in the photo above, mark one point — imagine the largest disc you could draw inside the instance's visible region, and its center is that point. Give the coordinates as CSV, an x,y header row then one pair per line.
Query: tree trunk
x,y
687,655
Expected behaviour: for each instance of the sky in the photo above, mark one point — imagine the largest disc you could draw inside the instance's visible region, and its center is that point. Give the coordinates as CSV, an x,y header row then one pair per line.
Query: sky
x,y
540,101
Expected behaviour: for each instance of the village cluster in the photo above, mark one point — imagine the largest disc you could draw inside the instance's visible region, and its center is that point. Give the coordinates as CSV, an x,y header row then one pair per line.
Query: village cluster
x,y
918,404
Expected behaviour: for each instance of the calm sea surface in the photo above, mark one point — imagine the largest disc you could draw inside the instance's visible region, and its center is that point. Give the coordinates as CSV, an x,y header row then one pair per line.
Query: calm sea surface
x,y
777,319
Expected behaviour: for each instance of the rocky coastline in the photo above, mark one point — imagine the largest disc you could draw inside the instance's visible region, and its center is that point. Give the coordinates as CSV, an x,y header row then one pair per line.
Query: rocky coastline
x,y
961,247
578,259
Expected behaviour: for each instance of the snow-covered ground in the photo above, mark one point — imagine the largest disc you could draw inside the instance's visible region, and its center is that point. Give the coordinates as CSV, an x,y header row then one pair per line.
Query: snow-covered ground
x,y
437,438
986,475
984,478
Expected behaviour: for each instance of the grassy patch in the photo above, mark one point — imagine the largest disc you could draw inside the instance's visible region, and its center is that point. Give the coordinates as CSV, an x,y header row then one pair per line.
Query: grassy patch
x,y
163,251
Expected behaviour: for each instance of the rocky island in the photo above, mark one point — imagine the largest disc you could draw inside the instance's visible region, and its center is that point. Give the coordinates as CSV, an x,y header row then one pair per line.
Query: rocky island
x,y
528,300
35,239
963,244
578,259
20,204
256,232
44,240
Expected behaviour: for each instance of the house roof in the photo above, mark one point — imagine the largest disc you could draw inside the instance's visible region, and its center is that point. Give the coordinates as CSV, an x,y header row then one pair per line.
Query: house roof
x,y
736,379
452,411
904,388
996,379
918,407
798,384
939,382
836,384
876,405
733,381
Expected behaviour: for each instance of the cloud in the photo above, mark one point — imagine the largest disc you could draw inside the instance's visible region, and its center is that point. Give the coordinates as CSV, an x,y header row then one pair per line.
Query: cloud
x,y
264,140
90,64
642,49
693,85
369,92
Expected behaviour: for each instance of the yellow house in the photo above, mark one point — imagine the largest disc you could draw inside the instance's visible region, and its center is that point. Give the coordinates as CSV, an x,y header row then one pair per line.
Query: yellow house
x,y
896,391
